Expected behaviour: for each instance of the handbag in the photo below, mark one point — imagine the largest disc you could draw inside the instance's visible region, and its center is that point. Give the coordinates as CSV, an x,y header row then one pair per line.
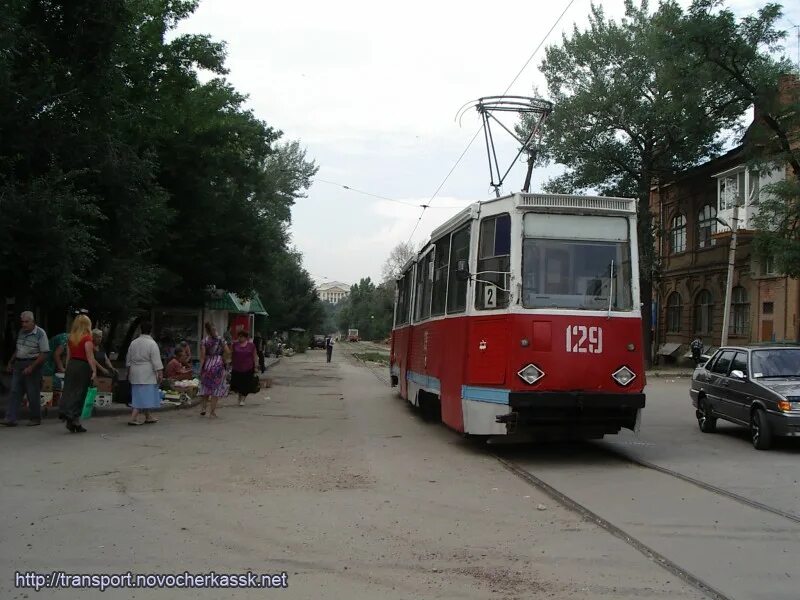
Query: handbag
x,y
255,386
88,403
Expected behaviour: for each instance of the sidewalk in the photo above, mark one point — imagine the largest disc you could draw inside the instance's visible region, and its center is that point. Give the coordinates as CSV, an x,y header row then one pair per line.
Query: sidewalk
x,y
115,409
670,372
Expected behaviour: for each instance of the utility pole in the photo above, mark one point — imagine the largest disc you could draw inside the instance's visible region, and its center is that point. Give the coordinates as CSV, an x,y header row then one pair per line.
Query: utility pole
x,y
726,313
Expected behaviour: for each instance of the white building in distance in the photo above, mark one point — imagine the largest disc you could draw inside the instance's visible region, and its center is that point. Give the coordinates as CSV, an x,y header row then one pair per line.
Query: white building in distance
x,y
333,291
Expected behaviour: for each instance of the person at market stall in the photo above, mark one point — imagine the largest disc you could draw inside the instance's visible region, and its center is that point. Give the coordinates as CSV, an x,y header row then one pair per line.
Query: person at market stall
x,y
213,384
243,363
145,372
81,371
104,365
56,361
179,369
26,368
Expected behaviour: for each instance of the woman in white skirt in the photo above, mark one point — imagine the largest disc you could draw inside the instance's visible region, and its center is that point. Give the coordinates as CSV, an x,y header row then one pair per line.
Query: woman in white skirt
x,y
145,371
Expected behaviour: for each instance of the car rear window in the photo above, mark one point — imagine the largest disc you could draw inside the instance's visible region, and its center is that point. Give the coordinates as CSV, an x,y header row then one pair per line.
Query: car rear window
x,y
723,364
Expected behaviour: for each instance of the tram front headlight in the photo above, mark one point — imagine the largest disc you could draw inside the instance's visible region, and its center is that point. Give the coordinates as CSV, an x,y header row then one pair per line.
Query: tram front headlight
x,y
623,376
530,374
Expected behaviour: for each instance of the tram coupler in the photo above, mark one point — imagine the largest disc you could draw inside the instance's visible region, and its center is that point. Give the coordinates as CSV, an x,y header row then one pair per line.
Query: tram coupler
x,y
509,420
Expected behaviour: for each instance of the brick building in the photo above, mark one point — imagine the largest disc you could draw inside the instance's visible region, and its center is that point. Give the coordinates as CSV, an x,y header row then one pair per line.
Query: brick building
x,y
693,248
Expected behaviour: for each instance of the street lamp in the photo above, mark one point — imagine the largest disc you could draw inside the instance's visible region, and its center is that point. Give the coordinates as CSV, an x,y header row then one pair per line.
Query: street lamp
x,y
726,312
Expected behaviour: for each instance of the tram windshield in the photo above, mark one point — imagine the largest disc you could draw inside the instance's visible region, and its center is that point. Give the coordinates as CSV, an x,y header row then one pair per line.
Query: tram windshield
x,y
576,261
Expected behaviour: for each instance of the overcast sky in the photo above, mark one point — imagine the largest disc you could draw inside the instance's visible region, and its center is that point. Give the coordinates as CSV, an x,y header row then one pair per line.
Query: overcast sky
x,y
371,89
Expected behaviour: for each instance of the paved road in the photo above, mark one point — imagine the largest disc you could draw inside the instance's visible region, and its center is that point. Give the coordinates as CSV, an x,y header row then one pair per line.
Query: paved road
x,y
327,476
739,550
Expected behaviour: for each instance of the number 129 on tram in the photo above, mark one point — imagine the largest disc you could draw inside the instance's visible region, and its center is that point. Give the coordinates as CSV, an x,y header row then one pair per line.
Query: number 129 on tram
x,y
520,318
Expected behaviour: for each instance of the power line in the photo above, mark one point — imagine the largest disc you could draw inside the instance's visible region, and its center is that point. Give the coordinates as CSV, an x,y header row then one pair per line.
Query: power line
x,y
469,145
352,189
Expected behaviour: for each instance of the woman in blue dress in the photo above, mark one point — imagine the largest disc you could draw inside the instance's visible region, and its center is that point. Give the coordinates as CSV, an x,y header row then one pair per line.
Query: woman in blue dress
x,y
145,372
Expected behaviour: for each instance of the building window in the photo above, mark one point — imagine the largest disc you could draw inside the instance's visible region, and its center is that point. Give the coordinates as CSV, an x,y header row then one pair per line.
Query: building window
x,y
706,226
768,265
731,190
768,308
740,307
674,307
678,234
703,312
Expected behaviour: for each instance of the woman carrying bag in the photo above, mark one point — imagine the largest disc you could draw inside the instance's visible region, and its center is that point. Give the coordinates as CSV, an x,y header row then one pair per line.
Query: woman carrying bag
x,y
81,371
245,358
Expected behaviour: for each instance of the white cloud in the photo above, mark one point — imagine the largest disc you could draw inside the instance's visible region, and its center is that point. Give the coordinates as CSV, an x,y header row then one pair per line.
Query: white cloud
x,y
372,89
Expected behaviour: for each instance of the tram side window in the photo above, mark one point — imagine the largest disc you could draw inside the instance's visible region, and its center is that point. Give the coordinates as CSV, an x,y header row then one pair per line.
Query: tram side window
x,y
440,265
457,289
403,293
494,262
422,308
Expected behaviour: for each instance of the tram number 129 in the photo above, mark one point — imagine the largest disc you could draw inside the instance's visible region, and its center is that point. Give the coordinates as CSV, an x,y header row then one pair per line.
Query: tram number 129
x,y
583,339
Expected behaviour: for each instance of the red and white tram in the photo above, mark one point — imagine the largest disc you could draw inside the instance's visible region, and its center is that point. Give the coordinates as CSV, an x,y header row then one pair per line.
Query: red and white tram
x,y
521,318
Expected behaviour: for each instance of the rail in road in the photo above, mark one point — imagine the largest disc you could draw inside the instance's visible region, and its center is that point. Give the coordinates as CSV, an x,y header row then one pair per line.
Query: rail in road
x,y
725,545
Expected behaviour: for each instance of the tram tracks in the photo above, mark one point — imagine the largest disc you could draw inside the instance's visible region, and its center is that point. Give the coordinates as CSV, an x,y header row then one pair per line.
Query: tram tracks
x,y
575,506
635,540
570,502
624,456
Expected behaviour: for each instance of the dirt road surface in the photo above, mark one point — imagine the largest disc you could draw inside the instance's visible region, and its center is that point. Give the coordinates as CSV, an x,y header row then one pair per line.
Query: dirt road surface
x,y
327,476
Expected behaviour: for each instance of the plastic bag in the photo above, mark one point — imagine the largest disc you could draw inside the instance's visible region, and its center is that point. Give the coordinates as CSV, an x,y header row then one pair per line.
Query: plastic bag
x,y
88,404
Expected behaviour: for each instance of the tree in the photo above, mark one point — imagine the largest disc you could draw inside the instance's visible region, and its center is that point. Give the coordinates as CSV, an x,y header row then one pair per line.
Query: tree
x,y
742,53
397,259
630,110
369,309
145,184
290,296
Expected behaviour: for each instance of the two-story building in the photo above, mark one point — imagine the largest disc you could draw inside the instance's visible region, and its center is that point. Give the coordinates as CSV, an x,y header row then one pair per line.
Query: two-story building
x,y
333,291
694,211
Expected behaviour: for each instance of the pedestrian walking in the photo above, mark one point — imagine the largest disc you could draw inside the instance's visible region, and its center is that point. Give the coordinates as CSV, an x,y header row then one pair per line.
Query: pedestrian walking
x,y
243,366
212,370
697,349
81,371
328,348
25,367
145,372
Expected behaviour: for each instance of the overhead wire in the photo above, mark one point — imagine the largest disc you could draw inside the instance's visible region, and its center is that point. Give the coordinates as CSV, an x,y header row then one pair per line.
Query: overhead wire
x,y
356,190
472,140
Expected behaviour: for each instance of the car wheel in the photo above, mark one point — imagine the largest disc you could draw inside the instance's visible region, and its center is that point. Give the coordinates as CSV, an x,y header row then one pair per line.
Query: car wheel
x,y
707,422
760,432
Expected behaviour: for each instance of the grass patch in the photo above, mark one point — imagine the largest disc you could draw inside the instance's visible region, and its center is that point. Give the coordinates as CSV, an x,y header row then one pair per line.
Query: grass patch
x,y
376,357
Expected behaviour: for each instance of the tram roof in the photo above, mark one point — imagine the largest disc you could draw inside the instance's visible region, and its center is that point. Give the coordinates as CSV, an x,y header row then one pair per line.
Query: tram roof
x,y
570,203
567,203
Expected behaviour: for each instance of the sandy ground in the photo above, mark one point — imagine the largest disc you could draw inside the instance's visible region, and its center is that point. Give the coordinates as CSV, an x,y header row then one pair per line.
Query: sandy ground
x,y
327,476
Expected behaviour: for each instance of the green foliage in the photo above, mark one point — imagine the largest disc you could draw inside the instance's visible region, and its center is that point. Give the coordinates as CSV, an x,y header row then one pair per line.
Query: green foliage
x,y
290,295
141,183
778,223
369,309
742,54
630,107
